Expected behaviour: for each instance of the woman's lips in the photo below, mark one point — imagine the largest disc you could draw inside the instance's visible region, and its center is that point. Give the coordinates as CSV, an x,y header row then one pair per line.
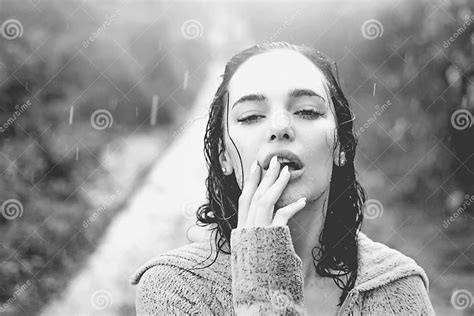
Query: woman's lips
x,y
294,174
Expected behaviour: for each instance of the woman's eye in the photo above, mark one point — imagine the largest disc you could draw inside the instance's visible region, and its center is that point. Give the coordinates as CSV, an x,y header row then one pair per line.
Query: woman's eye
x,y
309,113
305,113
248,119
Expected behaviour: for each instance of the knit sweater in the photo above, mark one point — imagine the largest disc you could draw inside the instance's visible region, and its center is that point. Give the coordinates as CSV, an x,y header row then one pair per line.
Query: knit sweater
x,y
263,276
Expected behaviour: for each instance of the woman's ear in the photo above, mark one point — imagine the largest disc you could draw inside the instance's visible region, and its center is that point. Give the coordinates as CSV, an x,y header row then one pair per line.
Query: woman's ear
x,y
339,156
224,160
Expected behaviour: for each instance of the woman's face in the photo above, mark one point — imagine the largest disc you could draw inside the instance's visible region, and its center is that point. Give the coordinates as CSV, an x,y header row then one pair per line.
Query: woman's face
x,y
278,100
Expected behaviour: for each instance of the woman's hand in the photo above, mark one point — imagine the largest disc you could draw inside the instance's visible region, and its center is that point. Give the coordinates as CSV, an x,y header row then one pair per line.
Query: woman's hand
x,y
257,202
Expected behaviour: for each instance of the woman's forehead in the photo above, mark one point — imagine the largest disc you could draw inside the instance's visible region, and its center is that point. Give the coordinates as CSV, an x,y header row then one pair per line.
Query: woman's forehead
x,y
274,74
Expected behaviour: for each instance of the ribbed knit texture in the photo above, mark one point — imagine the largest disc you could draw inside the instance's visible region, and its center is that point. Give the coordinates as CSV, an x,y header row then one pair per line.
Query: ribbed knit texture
x,y
263,276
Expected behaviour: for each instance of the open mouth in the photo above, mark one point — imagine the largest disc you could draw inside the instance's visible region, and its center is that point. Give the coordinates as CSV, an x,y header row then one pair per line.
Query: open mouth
x,y
285,158
291,165
295,169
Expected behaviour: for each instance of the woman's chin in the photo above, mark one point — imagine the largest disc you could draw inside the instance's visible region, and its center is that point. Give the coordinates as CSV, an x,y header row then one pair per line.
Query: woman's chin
x,y
288,196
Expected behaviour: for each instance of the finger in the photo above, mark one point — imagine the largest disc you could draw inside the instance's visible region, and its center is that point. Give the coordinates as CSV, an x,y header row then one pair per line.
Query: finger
x,y
267,203
275,191
260,206
270,176
284,214
248,191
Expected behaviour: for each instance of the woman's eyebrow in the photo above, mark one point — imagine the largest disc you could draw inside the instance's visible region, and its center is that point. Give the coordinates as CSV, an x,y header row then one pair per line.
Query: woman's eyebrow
x,y
295,93
250,97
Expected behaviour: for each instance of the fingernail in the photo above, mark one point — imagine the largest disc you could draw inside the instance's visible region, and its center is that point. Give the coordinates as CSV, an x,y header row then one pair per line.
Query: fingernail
x,y
253,168
273,162
302,201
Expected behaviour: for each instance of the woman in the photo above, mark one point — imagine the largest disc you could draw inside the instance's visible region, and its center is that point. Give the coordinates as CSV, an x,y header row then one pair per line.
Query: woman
x,y
284,203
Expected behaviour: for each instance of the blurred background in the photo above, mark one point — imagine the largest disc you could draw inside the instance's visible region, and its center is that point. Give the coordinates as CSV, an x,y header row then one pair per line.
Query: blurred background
x,y
103,106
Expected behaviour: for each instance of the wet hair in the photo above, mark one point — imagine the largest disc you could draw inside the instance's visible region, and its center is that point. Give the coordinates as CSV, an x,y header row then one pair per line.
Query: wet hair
x,y
337,255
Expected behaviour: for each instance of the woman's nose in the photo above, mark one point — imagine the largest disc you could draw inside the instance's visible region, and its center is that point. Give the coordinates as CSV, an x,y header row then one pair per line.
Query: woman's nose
x,y
281,127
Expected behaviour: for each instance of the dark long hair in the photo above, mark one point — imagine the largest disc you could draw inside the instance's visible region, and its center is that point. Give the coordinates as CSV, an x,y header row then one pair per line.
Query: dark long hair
x,y
338,239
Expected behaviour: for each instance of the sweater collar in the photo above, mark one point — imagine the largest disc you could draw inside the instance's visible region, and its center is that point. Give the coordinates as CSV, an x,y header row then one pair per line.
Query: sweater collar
x,y
379,265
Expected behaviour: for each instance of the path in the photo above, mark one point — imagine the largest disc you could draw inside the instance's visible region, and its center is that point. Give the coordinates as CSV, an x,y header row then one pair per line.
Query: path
x,y
157,215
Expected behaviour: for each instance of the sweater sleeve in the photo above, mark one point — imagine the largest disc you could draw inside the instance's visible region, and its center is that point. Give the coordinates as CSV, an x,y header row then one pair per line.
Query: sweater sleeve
x,y
266,272
405,296
163,290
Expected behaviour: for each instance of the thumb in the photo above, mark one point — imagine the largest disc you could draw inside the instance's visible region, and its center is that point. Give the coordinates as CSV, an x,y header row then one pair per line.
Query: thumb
x,y
285,213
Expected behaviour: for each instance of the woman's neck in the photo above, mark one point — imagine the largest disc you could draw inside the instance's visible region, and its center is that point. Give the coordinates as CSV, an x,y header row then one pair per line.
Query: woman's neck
x,y
305,227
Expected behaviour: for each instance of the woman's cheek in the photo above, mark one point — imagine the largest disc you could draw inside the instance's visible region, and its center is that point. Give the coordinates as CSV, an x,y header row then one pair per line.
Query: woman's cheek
x,y
246,156
320,160
322,168
248,146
